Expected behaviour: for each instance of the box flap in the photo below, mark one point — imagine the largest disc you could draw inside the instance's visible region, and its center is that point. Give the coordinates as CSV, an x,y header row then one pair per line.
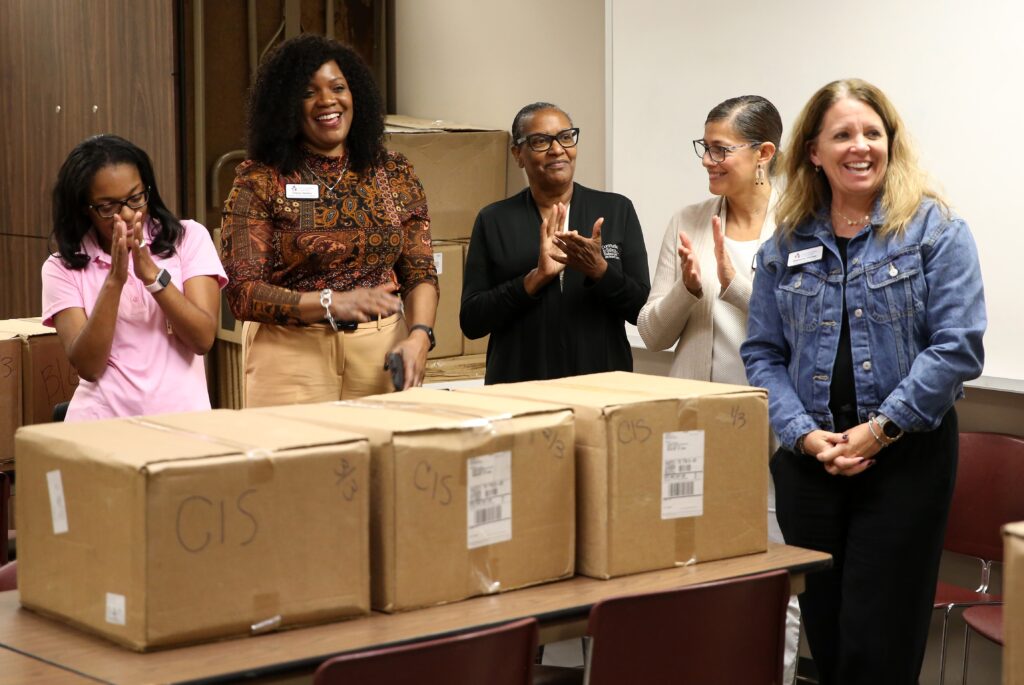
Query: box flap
x,y
142,441
399,123
1015,530
26,328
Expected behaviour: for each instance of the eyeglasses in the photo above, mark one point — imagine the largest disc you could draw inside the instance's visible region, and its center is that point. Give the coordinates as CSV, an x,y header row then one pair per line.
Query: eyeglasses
x,y
110,209
541,142
717,152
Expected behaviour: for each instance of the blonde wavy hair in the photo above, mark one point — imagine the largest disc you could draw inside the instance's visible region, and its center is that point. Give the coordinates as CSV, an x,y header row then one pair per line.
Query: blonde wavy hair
x,y
808,191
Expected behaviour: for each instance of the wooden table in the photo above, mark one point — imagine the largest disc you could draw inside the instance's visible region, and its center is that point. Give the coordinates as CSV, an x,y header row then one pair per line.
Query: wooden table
x,y
561,608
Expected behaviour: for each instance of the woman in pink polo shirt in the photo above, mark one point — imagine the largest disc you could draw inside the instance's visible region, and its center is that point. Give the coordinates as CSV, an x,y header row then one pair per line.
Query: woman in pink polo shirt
x,y
133,292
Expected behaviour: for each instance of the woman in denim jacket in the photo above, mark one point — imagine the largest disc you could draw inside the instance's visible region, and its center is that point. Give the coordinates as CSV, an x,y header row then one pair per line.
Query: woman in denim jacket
x,y
866,317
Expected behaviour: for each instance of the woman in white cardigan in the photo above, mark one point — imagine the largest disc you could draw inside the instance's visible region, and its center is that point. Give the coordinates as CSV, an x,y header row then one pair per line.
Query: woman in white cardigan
x,y
702,285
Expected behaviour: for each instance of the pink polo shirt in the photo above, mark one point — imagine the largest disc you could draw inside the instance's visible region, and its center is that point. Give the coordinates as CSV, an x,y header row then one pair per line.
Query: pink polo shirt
x,y
149,370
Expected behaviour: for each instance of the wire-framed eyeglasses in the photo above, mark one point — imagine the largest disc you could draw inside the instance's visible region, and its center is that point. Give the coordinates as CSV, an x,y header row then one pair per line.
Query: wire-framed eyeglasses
x,y
541,142
110,209
718,153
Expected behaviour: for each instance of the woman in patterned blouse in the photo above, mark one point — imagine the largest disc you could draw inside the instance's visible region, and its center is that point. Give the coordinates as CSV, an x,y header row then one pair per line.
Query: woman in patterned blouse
x,y
326,235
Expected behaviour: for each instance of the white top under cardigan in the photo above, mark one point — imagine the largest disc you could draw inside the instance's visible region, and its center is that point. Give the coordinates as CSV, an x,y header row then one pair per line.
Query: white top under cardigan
x,y
672,313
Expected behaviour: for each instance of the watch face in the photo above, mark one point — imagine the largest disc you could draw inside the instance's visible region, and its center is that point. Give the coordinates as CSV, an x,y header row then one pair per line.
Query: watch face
x,y
164,278
891,430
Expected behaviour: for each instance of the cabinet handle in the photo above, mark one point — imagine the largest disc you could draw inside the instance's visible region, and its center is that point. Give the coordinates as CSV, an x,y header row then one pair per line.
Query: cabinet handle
x,y
57,110
95,109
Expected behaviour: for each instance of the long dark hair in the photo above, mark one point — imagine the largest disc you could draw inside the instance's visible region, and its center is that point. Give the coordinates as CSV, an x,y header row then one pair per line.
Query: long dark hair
x,y
71,197
274,122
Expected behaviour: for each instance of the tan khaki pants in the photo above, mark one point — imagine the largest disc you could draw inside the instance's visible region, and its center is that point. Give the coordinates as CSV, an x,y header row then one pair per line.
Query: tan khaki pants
x,y
304,364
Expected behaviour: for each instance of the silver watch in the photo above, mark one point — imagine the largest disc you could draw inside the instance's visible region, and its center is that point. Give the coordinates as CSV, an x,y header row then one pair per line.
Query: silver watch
x,y
889,428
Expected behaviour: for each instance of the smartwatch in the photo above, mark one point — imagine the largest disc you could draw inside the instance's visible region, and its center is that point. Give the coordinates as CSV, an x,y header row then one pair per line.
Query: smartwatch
x,y
890,430
428,330
163,279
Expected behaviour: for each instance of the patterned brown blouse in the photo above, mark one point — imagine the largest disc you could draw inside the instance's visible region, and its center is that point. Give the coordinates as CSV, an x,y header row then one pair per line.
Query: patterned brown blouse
x,y
366,231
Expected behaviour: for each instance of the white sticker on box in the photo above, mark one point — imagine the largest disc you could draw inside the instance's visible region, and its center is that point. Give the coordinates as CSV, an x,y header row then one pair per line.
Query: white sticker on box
x,y
115,609
682,474
489,499
58,508
439,262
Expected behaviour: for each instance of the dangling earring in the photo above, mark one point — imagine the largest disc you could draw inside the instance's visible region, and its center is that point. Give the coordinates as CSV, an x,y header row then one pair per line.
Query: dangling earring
x,y
759,176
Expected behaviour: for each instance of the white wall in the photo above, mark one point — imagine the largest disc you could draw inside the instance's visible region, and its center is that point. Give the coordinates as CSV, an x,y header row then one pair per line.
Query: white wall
x,y
479,62
952,68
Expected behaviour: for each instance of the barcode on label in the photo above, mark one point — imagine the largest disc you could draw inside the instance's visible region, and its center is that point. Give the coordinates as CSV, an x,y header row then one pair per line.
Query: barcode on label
x,y
488,515
680,489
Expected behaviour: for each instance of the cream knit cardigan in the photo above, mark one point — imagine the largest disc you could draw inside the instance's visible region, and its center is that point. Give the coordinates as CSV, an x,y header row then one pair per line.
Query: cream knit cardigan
x,y
673,314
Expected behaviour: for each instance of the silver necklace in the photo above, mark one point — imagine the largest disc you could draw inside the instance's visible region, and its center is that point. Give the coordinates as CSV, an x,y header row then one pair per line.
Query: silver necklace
x,y
853,222
332,186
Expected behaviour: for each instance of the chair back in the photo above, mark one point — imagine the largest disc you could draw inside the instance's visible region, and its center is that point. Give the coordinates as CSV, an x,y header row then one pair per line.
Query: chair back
x,y
5,500
719,633
987,494
9,576
497,656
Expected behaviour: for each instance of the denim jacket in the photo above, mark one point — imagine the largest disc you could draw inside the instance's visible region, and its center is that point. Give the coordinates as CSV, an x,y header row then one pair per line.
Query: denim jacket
x,y
916,308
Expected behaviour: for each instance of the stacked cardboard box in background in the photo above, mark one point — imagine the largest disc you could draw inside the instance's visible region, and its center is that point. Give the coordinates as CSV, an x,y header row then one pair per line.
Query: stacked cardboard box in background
x,y
47,377
471,495
670,472
10,395
1013,609
188,527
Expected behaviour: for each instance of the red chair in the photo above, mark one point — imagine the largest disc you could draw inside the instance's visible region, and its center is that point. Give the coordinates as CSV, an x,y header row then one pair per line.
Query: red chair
x,y
985,497
714,634
496,656
987,621
5,498
9,576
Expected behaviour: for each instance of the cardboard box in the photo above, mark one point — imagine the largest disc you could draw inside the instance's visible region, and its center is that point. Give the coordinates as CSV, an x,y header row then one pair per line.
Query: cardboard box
x,y
47,376
187,527
10,395
470,495
669,472
456,369
478,346
447,331
1013,609
462,168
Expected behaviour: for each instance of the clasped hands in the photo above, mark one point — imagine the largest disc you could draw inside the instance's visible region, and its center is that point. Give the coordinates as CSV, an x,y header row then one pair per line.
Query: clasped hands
x,y
570,249
843,454
130,238
689,262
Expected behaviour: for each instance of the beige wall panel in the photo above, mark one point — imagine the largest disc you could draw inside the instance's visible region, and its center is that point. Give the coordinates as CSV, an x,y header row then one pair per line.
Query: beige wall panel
x,y
479,62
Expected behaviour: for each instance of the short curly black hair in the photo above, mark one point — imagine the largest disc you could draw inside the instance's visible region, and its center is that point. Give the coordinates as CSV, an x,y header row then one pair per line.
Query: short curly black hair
x,y
274,135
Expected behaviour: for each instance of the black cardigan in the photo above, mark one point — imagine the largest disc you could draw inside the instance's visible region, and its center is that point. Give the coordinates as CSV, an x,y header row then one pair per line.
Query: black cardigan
x,y
564,331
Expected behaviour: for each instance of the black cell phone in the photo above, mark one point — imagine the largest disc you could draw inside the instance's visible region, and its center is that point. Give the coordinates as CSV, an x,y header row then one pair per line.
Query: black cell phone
x,y
393,363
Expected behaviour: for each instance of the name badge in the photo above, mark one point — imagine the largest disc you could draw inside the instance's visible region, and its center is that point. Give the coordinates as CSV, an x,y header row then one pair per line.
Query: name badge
x,y
811,254
302,191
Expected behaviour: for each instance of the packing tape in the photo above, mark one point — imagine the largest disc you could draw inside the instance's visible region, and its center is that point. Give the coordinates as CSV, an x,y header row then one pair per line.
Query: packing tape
x,y
686,542
484,571
481,420
266,604
261,465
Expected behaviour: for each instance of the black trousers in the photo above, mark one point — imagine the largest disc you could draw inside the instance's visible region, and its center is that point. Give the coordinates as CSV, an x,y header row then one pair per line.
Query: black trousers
x,y
867,617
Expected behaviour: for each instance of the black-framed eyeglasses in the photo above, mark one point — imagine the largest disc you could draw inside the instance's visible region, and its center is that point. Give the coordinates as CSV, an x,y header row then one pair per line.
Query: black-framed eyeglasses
x,y
541,142
718,153
110,209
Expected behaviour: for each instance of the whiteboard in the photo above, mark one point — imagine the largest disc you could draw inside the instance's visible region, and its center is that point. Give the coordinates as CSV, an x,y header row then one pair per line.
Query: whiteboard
x,y
954,70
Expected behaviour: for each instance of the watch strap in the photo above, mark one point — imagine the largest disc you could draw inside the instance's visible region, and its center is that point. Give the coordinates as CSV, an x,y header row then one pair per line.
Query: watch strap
x,y
428,330
163,279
